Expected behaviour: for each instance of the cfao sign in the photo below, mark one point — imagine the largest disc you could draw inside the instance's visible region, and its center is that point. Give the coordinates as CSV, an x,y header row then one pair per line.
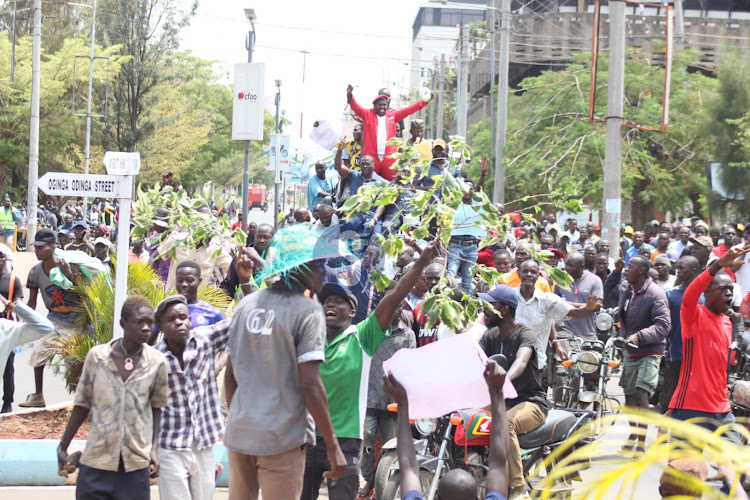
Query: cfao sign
x,y
247,102
65,184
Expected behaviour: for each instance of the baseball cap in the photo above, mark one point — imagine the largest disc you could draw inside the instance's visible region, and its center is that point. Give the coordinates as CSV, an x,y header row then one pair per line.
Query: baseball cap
x,y
81,223
166,303
673,480
701,224
703,241
597,227
45,237
501,293
336,289
662,259
381,96
556,252
416,124
103,241
439,143
628,230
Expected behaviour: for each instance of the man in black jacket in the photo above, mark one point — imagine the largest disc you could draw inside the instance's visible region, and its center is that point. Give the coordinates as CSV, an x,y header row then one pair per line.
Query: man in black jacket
x,y
645,325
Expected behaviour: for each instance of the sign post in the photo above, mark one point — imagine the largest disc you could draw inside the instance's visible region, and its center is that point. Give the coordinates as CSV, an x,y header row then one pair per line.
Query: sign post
x,y
247,115
122,167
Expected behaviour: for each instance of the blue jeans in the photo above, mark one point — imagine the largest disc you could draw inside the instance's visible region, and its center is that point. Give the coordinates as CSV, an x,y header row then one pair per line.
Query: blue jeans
x,y
462,257
716,420
387,426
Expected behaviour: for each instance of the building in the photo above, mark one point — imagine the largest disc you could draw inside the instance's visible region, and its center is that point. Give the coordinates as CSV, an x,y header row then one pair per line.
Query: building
x,y
546,33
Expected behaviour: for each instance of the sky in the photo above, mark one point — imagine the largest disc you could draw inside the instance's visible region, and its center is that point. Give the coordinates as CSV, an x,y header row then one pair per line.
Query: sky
x,y
365,43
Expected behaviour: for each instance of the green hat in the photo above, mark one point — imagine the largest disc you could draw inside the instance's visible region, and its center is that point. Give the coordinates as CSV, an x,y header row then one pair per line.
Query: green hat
x,y
295,246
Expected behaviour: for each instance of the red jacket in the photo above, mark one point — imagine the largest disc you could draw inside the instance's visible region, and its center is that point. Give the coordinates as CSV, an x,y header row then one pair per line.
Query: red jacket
x,y
370,134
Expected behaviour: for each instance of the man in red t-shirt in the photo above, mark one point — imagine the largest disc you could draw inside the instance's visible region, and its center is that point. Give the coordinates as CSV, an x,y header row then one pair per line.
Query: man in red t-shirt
x,y
706,335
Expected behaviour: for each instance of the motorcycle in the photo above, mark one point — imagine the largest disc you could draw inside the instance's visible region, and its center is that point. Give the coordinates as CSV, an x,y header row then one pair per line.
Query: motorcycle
x,y
587,372
461,440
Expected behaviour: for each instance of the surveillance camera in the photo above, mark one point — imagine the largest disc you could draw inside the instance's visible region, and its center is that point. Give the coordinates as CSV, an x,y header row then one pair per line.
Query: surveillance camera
x,y
250,15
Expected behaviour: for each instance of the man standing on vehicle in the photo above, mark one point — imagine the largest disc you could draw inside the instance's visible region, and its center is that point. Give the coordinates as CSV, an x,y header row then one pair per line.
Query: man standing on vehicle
x,y
516,342
645,325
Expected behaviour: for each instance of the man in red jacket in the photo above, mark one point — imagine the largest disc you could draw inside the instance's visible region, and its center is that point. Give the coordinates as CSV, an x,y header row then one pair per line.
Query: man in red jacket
x,y
379,127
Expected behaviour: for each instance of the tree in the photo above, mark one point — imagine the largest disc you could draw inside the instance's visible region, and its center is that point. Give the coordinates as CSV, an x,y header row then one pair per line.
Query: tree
x,y
552,147
148,31
730,126
61,137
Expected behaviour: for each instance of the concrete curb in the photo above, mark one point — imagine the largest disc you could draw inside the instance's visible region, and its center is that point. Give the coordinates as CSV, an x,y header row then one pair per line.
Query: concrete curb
x,y
34,462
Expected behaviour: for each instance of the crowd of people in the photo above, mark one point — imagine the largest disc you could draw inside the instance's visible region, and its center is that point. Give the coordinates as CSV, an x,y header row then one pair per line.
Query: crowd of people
x,y
293,381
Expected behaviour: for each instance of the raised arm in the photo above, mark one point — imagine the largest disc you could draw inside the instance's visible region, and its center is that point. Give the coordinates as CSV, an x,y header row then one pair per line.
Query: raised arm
x,y
407,454
358,110
387,306
497,473
409,110
483,175
342,169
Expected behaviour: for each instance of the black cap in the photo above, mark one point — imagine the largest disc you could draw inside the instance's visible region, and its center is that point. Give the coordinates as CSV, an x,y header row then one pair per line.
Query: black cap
x,y
336,289
166,303
45,237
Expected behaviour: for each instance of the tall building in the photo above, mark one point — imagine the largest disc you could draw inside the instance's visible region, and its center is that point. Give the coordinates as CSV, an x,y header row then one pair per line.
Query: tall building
x,y
434,33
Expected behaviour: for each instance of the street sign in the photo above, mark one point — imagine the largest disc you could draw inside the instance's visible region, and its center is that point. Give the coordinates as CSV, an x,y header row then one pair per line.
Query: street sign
x,y
102,186
283,149
247,102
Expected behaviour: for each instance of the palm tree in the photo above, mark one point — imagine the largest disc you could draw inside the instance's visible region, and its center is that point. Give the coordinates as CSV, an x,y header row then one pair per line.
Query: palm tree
x,y
96,315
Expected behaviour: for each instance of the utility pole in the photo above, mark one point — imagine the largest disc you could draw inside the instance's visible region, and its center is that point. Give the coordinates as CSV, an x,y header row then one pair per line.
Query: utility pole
x,y
441,83
679,26
613,144
13,47
36,81
491,8
277,173
498,189
249,42
463,84
432,105
88,106
302,111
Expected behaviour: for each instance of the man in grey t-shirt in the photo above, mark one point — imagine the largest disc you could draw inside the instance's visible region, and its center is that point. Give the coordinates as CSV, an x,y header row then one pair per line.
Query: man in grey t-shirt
x,y
585,284
274,391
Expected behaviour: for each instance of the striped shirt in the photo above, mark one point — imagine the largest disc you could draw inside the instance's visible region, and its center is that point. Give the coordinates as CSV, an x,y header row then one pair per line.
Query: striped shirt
x,y
194,411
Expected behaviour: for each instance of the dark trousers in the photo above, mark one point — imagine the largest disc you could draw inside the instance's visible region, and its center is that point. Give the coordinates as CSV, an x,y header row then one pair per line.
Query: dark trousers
x,y
9,386
96,484
671,378
316,463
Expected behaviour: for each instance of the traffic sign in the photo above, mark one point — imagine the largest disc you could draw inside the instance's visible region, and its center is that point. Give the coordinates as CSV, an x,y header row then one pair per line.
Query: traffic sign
x,y
65,184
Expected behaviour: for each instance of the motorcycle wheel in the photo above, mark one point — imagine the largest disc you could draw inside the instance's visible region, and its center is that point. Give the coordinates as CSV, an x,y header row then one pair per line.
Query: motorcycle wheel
x,y
392,490
535,472
384,471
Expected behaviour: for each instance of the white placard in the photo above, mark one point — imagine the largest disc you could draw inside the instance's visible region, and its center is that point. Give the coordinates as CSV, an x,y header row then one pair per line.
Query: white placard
x,y
612,206
247,102
434,391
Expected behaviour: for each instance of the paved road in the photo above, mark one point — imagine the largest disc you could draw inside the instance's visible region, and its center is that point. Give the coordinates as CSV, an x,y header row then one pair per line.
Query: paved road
x,y
55,393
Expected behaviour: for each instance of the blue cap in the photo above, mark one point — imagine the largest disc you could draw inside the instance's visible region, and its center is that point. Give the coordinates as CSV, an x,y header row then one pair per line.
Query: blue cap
x,y
501,293
81,223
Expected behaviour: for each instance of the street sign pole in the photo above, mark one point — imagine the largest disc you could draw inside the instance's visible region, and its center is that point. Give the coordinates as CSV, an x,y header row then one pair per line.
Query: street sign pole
x,y
123,167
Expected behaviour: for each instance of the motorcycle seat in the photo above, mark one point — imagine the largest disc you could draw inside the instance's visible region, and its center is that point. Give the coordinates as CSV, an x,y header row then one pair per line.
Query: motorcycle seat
x,y
555,428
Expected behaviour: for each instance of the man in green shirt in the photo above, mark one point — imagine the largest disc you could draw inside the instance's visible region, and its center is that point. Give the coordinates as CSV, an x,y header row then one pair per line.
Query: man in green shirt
x,y
345,372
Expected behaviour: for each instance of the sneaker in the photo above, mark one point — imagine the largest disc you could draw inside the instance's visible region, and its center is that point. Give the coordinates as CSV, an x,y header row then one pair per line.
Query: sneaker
x,y
33,401
7,408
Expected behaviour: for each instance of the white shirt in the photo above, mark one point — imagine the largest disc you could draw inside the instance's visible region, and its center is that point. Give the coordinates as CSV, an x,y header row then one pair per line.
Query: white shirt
x,y
382,137
539,314
14,334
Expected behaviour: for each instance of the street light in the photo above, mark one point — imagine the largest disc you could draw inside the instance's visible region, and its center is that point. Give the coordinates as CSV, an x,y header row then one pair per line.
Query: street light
x,y
277,172
249,43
